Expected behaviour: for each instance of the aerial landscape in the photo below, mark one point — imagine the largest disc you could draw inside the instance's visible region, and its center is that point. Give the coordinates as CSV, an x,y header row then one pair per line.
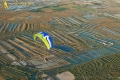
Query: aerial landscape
x,y
59,39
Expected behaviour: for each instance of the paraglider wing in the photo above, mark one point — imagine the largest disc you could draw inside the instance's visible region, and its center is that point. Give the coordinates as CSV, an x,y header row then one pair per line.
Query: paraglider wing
x,y
46,38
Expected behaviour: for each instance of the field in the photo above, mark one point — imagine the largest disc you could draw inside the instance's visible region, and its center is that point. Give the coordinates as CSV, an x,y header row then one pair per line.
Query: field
x,y
83,8
103,68
88,48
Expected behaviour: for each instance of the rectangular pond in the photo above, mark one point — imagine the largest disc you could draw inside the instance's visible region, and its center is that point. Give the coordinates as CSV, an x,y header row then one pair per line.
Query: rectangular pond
x,y
94,53
13,27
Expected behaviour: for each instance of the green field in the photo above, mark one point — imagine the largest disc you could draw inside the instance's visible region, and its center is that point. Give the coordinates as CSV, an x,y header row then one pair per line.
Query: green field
x,y
59,8
62,8
83,8
55,8
36,10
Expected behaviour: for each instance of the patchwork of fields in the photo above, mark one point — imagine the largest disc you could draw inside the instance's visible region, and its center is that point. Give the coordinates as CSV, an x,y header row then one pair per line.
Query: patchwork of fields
x,y
84,46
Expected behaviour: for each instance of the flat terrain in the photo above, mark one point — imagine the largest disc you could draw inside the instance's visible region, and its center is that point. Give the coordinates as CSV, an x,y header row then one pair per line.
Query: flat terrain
x,y
84,46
